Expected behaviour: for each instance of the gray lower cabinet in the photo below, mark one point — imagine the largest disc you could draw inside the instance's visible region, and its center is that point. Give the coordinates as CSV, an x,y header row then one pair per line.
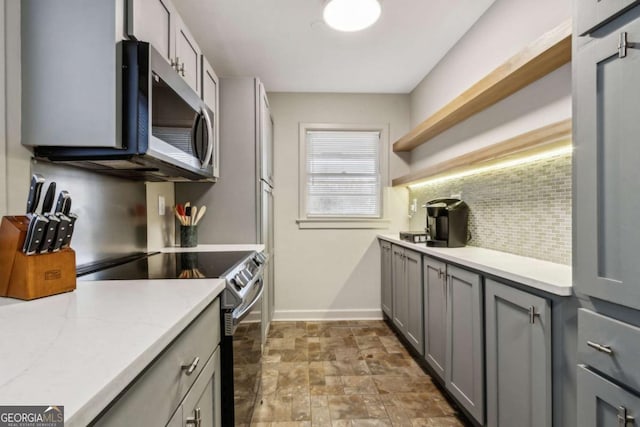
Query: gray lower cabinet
x,y
602,403
454,337
202,405
399,290
407,295
607,191
518,357
465,344
435,314
176,381
386,296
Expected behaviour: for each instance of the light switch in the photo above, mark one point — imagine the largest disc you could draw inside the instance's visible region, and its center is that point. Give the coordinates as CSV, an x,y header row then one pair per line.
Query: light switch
x,y
161,205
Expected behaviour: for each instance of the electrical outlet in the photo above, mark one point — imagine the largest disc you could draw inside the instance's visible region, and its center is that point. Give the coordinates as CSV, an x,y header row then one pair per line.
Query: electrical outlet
x,y
161,205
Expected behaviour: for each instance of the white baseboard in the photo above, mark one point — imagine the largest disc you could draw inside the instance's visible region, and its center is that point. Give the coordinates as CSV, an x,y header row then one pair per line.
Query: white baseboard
x,y
355,314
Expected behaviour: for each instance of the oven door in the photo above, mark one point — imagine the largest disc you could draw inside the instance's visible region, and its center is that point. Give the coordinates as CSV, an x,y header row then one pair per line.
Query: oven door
x,y
241,355
180,124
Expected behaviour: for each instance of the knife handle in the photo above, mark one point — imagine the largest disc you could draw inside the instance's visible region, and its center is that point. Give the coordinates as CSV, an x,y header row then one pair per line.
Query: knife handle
x,y
62,201
50,235
37,235
61,233
47,203
34,192
66,241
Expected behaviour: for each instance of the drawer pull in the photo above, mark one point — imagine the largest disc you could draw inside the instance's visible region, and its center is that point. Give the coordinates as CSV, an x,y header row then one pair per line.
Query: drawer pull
x,y
623,418
602,348
195,421
191,367
533,314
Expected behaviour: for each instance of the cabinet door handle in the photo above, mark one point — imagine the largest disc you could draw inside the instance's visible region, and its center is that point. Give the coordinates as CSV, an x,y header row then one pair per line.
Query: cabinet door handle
x,y
533,314
623,418
624,44
196,420
174,63
600,347
181,69
446,292
190,368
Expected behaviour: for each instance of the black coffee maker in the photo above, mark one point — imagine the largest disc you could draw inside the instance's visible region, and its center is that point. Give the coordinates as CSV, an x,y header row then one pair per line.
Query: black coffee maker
x,y
447,223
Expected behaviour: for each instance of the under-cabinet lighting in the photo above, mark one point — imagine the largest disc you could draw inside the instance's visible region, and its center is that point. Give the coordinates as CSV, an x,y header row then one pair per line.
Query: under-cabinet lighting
x,y
351,15
556,152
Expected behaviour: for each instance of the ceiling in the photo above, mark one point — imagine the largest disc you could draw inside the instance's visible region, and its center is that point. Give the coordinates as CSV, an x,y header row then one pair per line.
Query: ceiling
x,y
286,44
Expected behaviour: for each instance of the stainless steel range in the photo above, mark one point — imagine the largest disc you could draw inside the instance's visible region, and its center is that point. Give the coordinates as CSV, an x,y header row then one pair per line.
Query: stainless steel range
x,y
241,317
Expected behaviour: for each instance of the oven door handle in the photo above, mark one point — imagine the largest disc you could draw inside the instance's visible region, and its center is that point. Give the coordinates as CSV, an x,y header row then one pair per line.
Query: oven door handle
x,y
244,313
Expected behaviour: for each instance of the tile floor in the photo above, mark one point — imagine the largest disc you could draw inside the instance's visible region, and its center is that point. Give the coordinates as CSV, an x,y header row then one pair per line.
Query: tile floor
x,y
347,373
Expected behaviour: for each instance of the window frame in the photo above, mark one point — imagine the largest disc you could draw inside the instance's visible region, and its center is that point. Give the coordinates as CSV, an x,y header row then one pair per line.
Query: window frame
x,y
341,222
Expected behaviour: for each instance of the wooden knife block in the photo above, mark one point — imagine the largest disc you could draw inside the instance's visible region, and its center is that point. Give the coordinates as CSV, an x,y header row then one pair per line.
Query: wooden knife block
x,y
28,277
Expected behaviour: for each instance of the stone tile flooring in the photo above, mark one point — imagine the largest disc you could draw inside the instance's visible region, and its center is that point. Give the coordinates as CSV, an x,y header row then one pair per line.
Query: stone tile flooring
x,y
346,373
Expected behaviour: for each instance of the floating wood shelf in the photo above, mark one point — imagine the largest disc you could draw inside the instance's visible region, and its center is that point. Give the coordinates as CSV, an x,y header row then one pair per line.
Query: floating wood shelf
x,y
538,59
536,140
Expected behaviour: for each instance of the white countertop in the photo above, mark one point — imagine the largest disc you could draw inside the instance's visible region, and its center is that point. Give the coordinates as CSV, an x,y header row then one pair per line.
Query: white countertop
x,y
82,348
542,275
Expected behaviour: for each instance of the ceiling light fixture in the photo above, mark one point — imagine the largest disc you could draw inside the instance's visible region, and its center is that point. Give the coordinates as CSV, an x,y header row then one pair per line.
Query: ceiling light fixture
x,y
351,15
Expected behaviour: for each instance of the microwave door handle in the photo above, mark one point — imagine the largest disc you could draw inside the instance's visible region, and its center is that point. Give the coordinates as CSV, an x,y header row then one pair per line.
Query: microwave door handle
x,y
207,157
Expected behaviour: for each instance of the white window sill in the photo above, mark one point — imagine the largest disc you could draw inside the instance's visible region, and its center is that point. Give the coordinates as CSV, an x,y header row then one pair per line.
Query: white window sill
x,y
342,223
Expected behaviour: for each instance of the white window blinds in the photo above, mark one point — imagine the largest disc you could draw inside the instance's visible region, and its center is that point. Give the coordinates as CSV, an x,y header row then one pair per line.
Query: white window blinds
x,y
343,174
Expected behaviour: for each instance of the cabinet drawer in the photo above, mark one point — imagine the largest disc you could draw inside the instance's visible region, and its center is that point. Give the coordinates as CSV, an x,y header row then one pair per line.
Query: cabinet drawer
x,y
164,384
603,403
592,14
609,346
204,396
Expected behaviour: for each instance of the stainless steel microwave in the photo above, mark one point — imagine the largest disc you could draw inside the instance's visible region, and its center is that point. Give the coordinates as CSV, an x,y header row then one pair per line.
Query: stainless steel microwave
x,y
167,129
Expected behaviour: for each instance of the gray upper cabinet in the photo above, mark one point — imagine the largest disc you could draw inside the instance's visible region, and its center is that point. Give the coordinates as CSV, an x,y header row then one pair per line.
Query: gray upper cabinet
x,y
158,22
465,344
210,86
607,155
386,296
435,314
211,97
266,137
602,403
188,55
518,357
407,295
153,21
592,14
54,34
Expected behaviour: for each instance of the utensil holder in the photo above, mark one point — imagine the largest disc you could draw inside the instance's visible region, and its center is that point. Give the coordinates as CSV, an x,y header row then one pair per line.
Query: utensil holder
x,y
188,236
29,277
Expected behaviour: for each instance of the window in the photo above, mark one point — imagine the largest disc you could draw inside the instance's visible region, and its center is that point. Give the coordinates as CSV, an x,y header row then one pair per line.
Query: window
x,y
342,173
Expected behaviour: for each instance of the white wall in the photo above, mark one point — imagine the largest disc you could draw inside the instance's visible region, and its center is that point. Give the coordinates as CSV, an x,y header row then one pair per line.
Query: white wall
x,y
506,27
329,273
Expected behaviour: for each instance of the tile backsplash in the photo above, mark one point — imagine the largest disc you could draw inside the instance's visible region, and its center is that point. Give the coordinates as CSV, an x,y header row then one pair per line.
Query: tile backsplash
x,y
524,210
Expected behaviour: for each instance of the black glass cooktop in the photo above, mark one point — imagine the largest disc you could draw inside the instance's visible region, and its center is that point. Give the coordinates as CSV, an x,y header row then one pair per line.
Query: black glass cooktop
x,y
183,265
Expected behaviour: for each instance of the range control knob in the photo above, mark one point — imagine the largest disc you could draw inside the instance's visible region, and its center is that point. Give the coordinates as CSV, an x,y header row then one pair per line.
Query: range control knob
x,y
241,279
260,258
